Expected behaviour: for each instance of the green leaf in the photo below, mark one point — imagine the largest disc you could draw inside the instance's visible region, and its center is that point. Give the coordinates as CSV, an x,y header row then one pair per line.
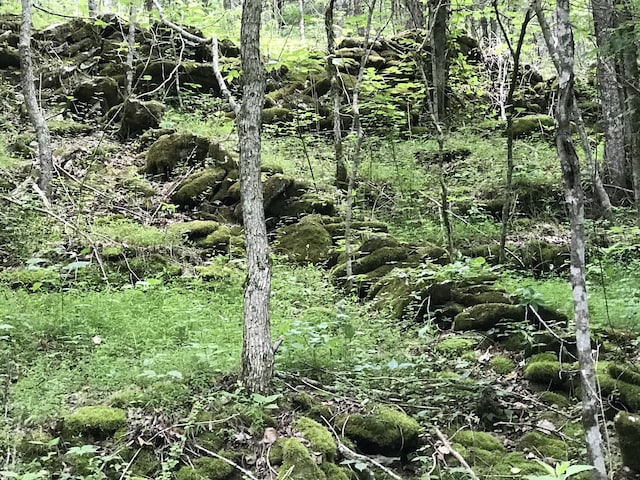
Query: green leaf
x,y
575,469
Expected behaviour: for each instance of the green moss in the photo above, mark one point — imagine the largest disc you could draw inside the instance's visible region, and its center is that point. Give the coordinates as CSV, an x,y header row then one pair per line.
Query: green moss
x,y
145,464
515,465
487,315
531,124
334,472
271,168
98,420
543,357
628,430
68,127
195,229
318,436
216,272
456,345
112,252
169,150
205,468
304,242
544,445
35,444
542,256
276,452
546,373
298,464
502,365
131,233
626,373
127,398
199,187
221,239
34,278
384,430
368,263
553,398
479,440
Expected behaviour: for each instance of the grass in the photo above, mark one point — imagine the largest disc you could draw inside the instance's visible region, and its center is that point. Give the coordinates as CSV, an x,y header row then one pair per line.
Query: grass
x,y
82,346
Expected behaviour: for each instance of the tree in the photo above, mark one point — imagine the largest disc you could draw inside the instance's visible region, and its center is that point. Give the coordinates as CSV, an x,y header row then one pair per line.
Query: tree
x,y
43,137
438,23
92,6
574,196
257,352
611,97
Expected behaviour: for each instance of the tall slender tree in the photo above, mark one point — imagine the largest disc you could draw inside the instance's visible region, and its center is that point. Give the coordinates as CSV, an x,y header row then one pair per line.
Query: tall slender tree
x,y
574,196
439,11
257,351
43,137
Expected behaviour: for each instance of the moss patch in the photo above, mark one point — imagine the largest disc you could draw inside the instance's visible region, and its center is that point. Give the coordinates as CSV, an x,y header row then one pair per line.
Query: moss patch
x,y
628,429
205,469
98,421
169,151
502,365
482,440
544,445
195,229
305,242
298,464
320,438
199,187
486,316
455,346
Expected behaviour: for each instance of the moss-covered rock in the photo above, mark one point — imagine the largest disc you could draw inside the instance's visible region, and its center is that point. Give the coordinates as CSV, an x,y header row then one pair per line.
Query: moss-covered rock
x,y
376,242
481,440
368,263
515,465
100,90
548,373
501,364
307,204
544,445
137,116
455,346
32,278
334,472
198,187
169,151
554,398
336,229
297,462
541,257
195,229
626,373
304,242
628,430
223,238
205,468
486,316
221,157
318,436
276,115
528,124
96,421
384,430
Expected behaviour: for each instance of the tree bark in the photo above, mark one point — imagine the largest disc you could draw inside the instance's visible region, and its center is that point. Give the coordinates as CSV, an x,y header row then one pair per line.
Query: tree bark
x,y
92,6
131,41
574,196
301,10
611,98
438,21
257,352
416,13
342,180
31,101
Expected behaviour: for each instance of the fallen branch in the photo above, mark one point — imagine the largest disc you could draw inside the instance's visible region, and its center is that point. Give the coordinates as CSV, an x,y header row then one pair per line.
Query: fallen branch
x,y
226,460
457,456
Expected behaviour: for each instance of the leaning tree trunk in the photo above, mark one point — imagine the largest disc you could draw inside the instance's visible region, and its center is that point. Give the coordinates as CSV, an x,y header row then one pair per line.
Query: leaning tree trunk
x,y
257,352
574,196
31,101
611,99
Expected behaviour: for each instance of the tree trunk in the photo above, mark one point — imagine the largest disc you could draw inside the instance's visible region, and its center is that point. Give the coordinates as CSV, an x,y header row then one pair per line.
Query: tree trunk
x,y
511,113
257,352
416,13
342,179
301,10
131,41
92,6
277,13
438,20
570,166
601,193
31,101
611,99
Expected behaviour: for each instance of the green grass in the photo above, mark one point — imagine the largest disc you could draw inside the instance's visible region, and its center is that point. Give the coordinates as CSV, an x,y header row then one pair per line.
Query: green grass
x,y
176,337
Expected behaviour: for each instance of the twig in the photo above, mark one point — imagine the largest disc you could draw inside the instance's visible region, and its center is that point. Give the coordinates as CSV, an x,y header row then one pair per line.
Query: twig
x,y
226,460
458,457
347,452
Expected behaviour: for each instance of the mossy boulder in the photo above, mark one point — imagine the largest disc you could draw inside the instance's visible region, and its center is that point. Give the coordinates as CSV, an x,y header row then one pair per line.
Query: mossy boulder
x,y
554,398
307,204
502,365
199,187
529,124
481,440
487,315
223,239
304,242
102,90
627,427
547,373
368,263
276,115
297,462
543,257
334,472
611,379
544,445
516,465
376,242
221,157
434,253
175,149
96,421
195,229
318,436
337,229
455,346
383,431
137,116
205,468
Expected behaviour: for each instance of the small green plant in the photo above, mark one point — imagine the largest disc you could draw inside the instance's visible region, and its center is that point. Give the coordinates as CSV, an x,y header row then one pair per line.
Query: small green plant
x,y
561,471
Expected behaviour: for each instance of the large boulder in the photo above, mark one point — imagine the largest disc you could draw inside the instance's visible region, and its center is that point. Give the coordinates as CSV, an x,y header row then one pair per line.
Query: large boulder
x,y
628,430
304,242
175,149
137,116
99,90
199,187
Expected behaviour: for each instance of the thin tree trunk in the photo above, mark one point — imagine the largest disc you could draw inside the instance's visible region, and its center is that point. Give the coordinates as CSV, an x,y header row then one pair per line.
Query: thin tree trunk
x,y
438,20
416,13
356,127
601,193
342,180
570,166
257,352
301,9
92,6
510,112
131,41
31,101
611,99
